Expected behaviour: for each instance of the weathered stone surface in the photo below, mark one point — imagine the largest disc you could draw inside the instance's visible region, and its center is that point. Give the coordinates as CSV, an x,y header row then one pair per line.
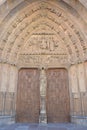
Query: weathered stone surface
x,y
8,88
44,127
44,34
79,91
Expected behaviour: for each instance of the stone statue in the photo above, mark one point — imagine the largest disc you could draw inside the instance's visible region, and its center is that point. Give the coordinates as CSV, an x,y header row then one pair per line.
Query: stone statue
x,y
43,85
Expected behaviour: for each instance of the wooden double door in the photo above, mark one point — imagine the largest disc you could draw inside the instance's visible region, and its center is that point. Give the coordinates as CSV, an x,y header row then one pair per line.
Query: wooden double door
x,y
57,96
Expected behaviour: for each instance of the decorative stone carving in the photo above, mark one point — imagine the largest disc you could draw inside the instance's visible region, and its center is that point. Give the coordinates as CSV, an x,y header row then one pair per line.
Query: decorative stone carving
x,y
46,43
51,16
43,48
43,87
43,60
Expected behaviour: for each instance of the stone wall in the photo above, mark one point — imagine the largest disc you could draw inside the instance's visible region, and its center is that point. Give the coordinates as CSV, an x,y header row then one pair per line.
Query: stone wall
x,y
78,92
8,86
78,89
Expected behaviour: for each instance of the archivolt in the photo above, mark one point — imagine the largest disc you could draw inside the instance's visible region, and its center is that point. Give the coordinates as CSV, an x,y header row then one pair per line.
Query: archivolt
x,y
32,18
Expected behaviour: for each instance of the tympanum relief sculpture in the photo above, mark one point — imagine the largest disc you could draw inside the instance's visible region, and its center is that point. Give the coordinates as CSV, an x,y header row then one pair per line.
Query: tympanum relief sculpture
x,y
43,49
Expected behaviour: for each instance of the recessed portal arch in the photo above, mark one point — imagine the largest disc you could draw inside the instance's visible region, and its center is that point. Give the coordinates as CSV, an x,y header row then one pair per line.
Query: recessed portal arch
x,y
64,45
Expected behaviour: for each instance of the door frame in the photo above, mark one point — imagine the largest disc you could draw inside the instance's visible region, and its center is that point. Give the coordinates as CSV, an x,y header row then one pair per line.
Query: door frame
x,y
47,68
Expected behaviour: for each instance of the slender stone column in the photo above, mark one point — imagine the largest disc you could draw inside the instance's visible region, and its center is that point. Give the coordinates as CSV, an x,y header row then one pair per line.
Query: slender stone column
x,y
43,85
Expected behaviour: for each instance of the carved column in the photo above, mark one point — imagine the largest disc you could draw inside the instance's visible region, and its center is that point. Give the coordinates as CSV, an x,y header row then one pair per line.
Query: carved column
x,y
43,85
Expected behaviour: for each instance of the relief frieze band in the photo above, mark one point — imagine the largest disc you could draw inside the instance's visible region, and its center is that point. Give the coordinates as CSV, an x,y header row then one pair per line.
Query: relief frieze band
x,y
43,59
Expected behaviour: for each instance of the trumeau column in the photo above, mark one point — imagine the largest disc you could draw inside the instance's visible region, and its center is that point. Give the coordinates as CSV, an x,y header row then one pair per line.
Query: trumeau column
x,y
43,85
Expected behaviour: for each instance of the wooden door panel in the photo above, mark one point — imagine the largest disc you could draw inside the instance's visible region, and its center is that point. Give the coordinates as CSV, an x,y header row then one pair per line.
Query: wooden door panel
x,y
58,107
28,96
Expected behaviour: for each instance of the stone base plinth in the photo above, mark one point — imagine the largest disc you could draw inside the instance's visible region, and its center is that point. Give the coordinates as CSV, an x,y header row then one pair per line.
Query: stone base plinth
x,y
43,118
82,120
6,120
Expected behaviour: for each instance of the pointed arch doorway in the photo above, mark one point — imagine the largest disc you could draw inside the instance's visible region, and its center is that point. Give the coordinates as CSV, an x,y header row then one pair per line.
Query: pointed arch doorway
x,y
57,96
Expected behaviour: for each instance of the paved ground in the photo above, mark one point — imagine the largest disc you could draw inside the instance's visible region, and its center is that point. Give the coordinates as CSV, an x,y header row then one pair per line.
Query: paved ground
x,y
43,127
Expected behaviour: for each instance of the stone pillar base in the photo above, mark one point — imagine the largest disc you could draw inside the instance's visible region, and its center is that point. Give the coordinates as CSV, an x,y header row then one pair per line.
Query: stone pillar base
x,y
81,120
43,119
7,120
